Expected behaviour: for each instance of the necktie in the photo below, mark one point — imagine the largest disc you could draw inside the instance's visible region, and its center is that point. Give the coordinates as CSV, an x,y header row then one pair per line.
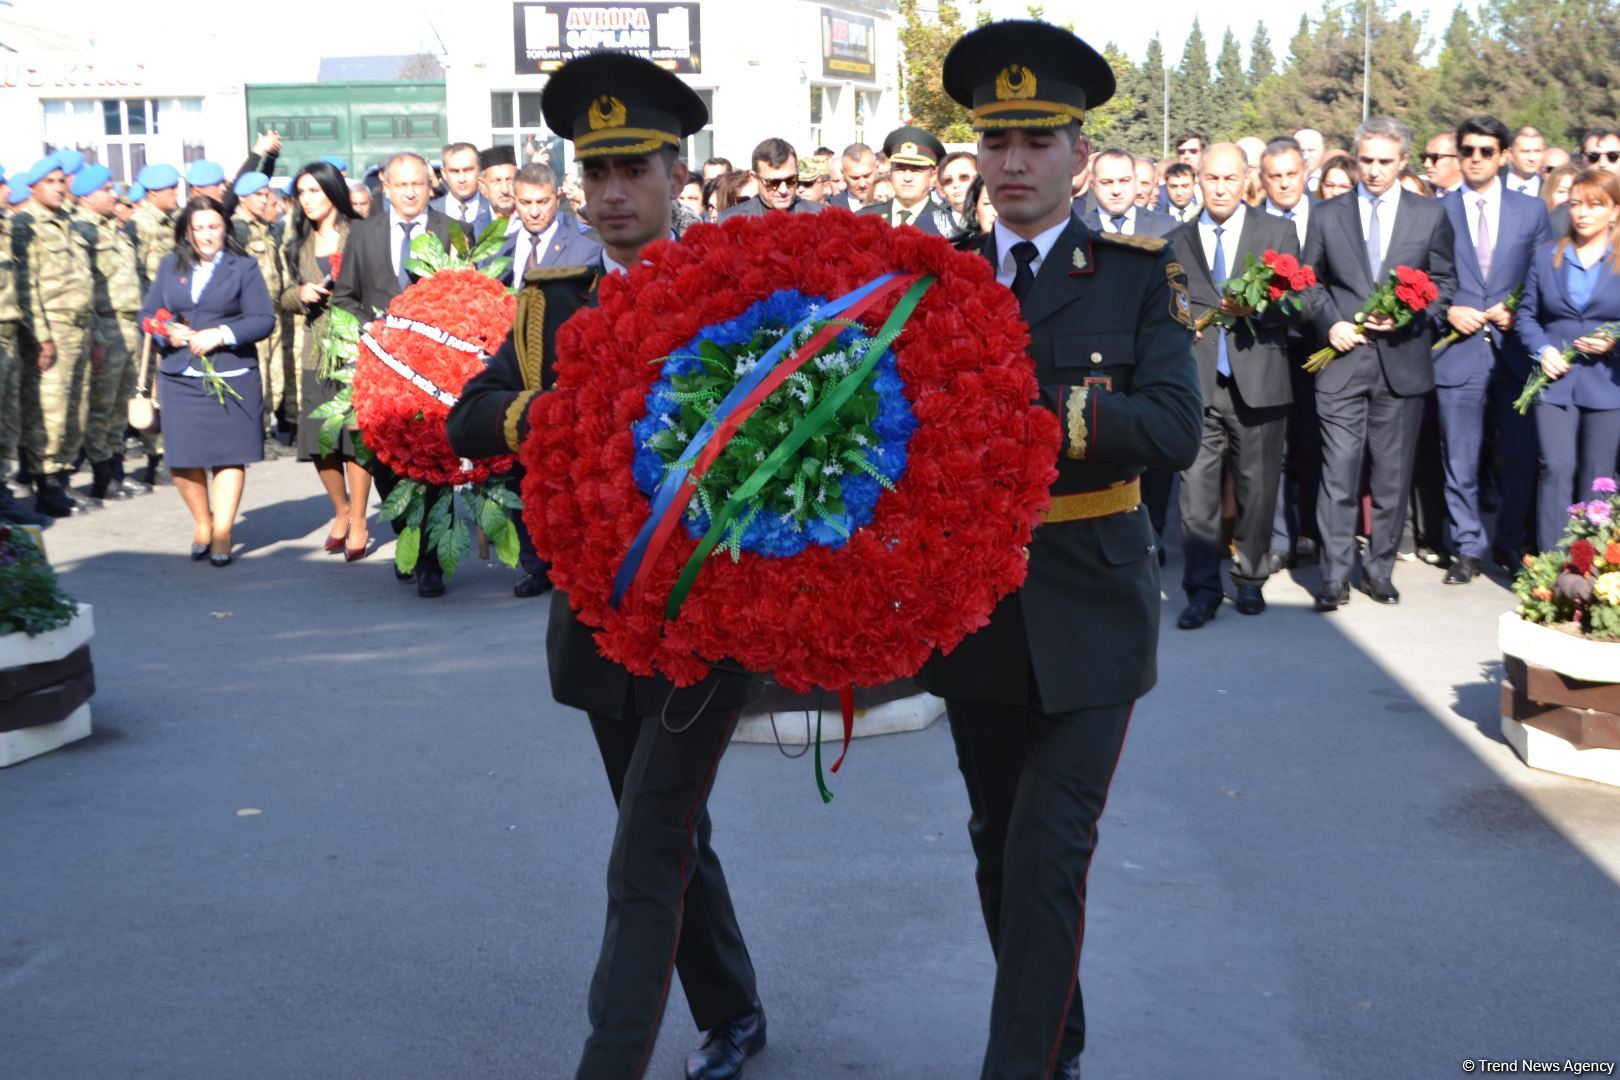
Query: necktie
x,y
1222,364
466,218
1119,222
405,253
1023,254
905,216
1483,247
1288,215
1375,243
534,254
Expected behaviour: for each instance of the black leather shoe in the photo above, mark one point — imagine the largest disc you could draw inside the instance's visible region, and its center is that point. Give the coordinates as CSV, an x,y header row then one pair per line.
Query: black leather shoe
x,y
403,575
15,512
1332,596
1197,613
1067,1070
1250,601
1381,590
1507,560
1277,562
532,585
726,1049
1304,550
1463,570
429,583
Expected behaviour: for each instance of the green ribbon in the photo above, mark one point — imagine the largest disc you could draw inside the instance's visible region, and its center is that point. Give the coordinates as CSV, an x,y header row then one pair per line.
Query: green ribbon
x,y
802,433
821,779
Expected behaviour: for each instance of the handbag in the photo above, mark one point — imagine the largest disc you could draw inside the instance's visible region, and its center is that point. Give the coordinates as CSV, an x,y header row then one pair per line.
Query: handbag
x,y
143,407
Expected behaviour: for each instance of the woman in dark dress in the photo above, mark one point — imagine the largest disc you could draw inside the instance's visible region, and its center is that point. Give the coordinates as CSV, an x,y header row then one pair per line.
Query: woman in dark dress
x,y
220,310
320,231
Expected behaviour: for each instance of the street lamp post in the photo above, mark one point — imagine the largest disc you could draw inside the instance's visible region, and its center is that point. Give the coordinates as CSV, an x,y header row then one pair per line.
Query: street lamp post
x,y
1366,58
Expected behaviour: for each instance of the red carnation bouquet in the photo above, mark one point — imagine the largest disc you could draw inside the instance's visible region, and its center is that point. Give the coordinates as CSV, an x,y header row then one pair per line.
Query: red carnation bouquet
x,y
1274,279
161,323
403,372
1402,296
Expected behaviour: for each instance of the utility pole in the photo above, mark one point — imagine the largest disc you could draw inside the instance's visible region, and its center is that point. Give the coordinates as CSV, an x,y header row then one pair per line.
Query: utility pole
x,y
1366,58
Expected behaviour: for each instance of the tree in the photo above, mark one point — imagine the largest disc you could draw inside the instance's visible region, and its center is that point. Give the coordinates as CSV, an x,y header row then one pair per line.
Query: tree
x,y
1189,90
923,45
1125,120
1152,79
1230,90
1262,61
421,66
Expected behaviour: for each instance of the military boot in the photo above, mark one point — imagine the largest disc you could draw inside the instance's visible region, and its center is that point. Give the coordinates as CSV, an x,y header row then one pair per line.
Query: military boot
x,y
15,512
51,500
122,483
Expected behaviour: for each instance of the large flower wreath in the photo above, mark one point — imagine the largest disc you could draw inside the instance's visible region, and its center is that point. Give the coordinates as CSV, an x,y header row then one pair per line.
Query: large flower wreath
x,y
409,366
806,443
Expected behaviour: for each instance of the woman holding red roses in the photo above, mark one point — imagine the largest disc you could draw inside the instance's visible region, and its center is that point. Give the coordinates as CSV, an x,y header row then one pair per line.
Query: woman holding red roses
x,y
322,212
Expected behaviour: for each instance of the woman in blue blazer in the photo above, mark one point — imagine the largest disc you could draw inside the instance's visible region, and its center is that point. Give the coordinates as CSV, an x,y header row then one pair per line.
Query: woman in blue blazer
x,y
1574,287
221,308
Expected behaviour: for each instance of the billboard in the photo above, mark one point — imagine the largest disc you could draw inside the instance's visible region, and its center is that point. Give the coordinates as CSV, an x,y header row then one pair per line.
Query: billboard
x,y
547,35
848,45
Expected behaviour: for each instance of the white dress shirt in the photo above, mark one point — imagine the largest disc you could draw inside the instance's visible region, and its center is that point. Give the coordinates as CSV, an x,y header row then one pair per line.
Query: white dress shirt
x,y
201,275
1493,210
1531,187
1128,228
527,241
1301,218
1389,202
460,211
1231,229
1006,265
394,222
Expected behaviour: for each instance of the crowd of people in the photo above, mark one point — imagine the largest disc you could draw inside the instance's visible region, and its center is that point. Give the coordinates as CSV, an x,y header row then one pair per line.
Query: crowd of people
x,y
1409,464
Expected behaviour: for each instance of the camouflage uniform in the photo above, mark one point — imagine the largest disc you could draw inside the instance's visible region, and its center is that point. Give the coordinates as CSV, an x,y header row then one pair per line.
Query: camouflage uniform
x,y
58,312
154,238
10,373
275,353
116,324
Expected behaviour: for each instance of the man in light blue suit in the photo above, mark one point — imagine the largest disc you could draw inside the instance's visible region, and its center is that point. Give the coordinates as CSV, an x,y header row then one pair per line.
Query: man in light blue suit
x,y
1497,232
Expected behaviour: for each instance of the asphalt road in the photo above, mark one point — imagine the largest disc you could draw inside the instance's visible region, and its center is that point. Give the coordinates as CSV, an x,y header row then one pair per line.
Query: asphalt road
x,y
325,829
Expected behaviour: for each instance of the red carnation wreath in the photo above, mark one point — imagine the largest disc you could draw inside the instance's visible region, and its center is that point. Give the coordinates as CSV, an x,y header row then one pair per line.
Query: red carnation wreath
x,y
946,537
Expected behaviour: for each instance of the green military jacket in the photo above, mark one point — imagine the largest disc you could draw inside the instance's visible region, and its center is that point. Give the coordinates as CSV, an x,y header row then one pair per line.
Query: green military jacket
x,y
1111,339
263,244
58,283
10,309
154,238
116,281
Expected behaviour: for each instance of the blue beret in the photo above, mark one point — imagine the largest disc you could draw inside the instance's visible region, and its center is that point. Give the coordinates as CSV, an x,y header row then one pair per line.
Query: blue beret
x,y
158,177
205,173
337,161
282,184
19,195
136,192
249,182
72,161
43,168
91,179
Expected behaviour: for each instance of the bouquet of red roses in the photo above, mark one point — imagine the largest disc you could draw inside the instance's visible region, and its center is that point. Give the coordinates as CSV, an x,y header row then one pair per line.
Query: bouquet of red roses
x,y
162,322
1404,294
1272,279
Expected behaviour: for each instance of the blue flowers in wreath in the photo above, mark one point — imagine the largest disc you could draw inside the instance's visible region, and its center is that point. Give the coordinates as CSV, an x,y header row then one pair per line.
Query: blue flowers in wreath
x,y
825,491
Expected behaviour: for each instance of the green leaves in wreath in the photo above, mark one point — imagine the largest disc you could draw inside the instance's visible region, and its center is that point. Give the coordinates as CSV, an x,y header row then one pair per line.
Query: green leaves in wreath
x,y
339,343
429,254
441,529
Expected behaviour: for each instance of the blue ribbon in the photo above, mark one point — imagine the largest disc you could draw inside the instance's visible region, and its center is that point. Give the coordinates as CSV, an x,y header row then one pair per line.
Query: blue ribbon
x,y
664,498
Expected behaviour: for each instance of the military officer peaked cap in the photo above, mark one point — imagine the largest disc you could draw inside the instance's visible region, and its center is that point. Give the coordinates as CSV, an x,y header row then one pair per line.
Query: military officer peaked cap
x,y
614,105
91,179
1025,74
913,146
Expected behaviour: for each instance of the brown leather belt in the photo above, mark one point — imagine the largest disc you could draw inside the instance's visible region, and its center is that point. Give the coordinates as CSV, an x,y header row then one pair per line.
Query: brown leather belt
x,y
1119,498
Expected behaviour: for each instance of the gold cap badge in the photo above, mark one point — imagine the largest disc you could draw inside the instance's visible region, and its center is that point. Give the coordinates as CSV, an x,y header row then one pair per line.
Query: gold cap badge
x,y
606,112
1015,83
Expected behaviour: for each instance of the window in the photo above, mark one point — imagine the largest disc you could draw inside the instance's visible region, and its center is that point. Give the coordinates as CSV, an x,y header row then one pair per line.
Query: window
x,y
125,133
823,116
866,107
515,121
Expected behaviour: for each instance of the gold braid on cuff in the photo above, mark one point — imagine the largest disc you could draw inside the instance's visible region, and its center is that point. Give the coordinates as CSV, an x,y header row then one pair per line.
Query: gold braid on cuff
x,y
514,416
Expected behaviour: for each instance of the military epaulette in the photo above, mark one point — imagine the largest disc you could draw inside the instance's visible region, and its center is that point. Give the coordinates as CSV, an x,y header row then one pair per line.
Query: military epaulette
x,y
1140,243
541,274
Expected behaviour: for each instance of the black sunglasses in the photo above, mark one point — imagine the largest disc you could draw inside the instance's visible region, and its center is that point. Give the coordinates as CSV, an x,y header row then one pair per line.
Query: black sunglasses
x,y
1436,157
1595,156
1472,151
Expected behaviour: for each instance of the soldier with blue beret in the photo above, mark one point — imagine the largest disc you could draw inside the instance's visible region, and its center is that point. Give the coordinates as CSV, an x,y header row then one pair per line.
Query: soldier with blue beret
x,y
206,178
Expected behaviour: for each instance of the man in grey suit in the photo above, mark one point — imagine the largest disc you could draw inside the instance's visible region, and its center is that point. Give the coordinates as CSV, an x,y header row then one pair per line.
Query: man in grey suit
x,y
462,203
1111,206
542,239
1369,400
776,168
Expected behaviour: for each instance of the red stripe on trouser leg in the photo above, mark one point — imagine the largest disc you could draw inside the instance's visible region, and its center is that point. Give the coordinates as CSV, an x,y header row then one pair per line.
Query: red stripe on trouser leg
x,y
680,905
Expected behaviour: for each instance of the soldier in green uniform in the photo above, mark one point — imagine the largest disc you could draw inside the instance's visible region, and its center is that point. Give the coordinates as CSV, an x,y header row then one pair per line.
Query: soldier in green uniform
x,y
55,381
11,314
153,226
253,223
667,896
1038,701
116,325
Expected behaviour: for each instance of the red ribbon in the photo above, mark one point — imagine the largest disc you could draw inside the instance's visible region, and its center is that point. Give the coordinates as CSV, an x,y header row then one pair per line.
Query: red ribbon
x,y
739,416
846,703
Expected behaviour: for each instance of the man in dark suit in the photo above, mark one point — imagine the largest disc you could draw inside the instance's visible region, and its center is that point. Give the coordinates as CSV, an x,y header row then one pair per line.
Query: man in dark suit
x,y
1039,699
1243,372
668,904
1497,232
374,272
1369,400
776,170
1522,170
1600,149
1111,205
1440,164
541,239
1180,191
497,170
859,172
914,156
461,202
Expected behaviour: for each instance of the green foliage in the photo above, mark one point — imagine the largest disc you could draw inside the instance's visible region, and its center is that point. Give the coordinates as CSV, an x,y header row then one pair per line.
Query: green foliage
x,y
1577,583
1190,86
924,41
31,600
1262,61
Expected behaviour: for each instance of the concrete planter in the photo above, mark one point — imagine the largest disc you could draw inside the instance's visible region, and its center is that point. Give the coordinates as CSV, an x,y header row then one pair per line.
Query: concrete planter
x,y
45,687
1561,700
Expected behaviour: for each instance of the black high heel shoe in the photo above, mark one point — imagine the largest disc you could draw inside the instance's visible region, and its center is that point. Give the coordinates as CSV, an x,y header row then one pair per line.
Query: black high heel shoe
x,y
199,552
220,560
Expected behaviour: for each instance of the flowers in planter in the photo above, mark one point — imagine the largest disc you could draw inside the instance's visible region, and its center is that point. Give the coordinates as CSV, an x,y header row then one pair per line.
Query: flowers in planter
x,y
31,600
1577,584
